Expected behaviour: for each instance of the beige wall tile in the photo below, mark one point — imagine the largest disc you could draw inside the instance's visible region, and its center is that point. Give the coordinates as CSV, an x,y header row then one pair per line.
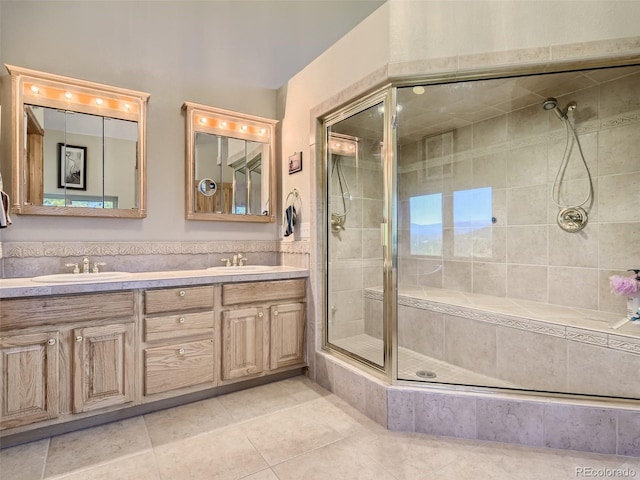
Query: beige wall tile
x,y
400,410
527,245
590,367
536,361
490,279
421,331
628,428
490,170
527,166
528,282
619,150
526,122
619,247
445,415
373,318
574,287
490,132
620,96
527,205
607,301
348,277
578,249
470,344
615,197
457,276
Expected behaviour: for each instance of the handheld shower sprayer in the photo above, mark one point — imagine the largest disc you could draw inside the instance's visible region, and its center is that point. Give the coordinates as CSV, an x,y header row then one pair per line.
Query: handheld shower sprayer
x,y
552,104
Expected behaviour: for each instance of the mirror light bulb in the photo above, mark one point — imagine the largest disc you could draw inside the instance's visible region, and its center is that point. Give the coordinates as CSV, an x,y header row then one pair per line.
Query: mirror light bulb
x,y
127,106
67,94
203,120
243,128
99,101
223,124
263,131
35,89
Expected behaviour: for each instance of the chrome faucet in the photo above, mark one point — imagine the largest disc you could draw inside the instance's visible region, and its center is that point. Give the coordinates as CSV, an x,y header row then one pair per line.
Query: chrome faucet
x,y
241,260
96,265
85,264
234,262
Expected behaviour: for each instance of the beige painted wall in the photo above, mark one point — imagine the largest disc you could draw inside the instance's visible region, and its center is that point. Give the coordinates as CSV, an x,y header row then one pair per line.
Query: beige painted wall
x,y
147,46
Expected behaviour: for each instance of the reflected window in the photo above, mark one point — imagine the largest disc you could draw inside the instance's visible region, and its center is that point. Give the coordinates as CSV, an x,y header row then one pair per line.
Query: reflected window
x,y
472,212
425,214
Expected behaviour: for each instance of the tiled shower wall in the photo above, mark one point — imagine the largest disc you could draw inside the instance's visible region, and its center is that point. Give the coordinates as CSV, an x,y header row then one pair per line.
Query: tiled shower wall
x,y
355,252
517,155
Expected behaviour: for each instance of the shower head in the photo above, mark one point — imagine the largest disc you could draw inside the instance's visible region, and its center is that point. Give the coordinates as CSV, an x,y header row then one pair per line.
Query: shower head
x,y
552,104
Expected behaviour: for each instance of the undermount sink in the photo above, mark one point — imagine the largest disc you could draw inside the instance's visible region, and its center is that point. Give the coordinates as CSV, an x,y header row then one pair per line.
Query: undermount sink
x,y
80,277
240,269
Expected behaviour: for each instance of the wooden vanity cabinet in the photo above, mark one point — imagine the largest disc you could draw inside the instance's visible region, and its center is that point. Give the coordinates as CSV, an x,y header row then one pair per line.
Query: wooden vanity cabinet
x,y
65,354
263,327
179,350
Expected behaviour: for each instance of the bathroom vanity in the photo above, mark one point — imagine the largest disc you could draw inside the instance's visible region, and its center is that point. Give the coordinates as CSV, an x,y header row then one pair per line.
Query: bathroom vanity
x,y
78,354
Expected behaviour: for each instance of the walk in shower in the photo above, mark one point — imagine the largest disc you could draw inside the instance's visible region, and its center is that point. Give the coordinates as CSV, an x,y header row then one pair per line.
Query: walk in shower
x,y
472,227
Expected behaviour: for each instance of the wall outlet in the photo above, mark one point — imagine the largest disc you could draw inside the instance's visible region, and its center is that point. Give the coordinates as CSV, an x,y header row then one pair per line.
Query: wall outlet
x,y
305,229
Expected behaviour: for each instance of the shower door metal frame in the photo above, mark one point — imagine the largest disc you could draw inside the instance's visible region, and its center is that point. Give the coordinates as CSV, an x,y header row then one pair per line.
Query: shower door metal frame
x,y
386,96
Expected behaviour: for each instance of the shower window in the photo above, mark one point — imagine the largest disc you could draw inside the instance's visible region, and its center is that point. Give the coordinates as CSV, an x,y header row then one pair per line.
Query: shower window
x,y
425,217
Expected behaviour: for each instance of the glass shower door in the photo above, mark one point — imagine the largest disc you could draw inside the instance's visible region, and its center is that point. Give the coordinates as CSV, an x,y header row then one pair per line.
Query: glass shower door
x,y
355,212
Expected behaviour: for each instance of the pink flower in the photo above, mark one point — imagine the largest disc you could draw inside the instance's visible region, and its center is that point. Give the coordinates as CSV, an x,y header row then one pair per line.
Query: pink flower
x,y
627,286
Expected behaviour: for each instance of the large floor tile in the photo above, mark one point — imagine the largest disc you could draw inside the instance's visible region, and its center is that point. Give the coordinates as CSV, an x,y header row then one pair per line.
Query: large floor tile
x,y
186,421
526,463
410,455
257,401
339,461
24,462
302,389
290,433
262,475
224,454
84,448
137,467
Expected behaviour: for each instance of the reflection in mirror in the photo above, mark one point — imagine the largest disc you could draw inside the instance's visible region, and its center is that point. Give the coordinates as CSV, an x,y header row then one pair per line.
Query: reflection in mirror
x,y
83,149
229,164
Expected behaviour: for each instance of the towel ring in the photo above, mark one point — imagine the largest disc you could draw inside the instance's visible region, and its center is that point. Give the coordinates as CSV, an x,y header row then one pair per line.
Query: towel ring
x,y
292,198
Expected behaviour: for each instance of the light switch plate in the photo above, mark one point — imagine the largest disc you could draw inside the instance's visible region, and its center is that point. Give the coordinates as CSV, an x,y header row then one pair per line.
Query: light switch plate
x,y
305,229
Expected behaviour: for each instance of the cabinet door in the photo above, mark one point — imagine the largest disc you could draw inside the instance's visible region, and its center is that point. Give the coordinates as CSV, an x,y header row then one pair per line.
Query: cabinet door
x,y
242,349
103,366
287,335
30,381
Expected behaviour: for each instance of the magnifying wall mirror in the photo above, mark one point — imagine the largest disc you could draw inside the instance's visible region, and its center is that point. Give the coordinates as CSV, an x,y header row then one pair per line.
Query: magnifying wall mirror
x,y
229,165
78,147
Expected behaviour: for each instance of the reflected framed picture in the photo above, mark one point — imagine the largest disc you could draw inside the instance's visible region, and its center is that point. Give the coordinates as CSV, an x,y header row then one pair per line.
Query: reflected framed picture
x,y
72,166
295,163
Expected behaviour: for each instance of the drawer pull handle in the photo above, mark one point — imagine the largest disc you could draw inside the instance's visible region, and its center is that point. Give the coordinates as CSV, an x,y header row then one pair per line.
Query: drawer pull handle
x,y
181,351
182,293
51,341
260,314
181,320
79,338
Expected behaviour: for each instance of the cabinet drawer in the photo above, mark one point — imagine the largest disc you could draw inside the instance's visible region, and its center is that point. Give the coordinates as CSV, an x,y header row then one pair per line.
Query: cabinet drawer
x,y
235,293
178,326
35,311
176,366
177,299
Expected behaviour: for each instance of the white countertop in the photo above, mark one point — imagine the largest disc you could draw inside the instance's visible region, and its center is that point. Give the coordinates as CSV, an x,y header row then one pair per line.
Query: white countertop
x,y
25,287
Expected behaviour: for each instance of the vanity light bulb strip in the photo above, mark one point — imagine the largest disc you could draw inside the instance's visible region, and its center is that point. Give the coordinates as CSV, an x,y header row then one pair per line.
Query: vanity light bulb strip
x,y
76,98
223,124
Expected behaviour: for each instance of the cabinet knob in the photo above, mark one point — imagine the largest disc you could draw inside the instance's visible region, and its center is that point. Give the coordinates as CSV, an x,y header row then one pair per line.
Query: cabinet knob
x,y
275,312
79,338
182,293
51,341
181,320
260,314
181,351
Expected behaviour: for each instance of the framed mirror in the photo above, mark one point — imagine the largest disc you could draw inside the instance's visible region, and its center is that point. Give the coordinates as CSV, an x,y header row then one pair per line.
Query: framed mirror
x,y
78,147
229,165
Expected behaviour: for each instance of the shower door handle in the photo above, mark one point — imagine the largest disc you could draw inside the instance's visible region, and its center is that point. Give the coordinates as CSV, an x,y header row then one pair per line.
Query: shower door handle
x,y
384,237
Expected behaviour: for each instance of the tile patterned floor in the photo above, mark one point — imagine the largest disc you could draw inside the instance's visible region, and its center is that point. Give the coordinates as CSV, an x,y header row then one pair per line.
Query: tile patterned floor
x,y
410,362
289,430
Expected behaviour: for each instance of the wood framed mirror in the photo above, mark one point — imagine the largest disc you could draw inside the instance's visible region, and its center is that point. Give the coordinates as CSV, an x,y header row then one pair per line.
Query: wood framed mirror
x,y
229,165
78,147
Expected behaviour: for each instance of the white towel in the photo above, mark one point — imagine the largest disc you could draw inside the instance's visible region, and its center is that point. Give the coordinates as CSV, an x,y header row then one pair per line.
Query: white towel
x,y
5,219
